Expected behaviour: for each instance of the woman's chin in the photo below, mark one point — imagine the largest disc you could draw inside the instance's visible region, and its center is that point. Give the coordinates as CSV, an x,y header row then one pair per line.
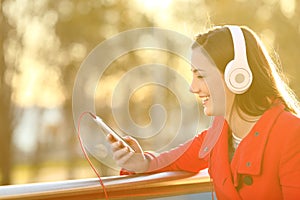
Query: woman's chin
x,y
212,111
207,112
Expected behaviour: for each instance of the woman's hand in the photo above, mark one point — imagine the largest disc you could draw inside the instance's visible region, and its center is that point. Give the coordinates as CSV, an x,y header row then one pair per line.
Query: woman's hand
x,y
132,161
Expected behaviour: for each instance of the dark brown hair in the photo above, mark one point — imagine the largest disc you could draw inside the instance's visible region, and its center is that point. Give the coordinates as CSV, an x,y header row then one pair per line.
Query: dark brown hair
x,y
268,84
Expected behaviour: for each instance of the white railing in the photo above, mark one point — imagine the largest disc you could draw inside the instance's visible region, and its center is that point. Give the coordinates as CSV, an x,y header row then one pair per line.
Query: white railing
x,y
142,186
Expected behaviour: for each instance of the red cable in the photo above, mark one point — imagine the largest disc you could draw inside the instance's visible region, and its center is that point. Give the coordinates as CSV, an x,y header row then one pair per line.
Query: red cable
x,y
87,157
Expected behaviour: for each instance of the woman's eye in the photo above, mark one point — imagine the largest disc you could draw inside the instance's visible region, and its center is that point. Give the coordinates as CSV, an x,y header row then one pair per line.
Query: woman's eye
x,y
200,76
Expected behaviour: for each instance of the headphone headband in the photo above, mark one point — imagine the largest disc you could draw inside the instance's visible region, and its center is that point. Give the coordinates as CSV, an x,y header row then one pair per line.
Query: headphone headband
x,y
239,44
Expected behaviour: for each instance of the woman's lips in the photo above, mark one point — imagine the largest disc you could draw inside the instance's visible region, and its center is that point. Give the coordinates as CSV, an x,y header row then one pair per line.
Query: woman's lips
x,y
204,99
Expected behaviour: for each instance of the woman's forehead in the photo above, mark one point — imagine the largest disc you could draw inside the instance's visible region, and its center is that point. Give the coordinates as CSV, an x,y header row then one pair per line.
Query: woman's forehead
x,y
201,61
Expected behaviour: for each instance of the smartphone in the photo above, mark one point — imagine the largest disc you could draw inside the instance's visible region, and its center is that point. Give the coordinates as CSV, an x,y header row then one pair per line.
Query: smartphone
x,y
109,130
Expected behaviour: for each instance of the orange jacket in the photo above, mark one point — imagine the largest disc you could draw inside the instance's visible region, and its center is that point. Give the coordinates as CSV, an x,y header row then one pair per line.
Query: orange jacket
x,y
266,165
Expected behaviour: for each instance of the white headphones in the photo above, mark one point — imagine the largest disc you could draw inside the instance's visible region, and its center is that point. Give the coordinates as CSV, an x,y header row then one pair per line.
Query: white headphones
x,y
237,74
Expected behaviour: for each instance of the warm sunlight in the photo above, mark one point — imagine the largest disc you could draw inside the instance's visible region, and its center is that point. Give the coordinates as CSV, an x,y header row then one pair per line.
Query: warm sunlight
x,y
288,7
46,43
154,5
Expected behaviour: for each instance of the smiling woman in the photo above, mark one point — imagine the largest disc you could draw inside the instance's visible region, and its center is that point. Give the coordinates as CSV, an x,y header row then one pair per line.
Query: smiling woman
x,y
241,146
44,41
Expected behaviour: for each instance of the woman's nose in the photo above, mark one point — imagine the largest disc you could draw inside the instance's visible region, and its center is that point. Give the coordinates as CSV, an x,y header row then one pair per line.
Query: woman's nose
x,y
193,88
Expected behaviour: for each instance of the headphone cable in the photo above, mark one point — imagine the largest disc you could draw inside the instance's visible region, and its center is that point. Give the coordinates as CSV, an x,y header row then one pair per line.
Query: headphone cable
x,y
86,155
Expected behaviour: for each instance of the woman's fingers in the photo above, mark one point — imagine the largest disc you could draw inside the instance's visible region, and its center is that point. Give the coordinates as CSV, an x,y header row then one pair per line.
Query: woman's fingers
x,y
122,155
133,143
116,146
133,161
110,138
122,160
119,150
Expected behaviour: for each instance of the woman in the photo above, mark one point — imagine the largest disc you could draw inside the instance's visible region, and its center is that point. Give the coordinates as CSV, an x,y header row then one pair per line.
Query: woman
x,y
255,152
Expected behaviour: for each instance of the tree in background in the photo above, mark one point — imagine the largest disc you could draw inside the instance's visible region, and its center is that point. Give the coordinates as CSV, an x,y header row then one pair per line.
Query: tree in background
x,y
6,107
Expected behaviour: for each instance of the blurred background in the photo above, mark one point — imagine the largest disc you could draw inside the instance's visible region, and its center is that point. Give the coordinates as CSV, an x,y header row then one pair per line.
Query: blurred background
x,y
44,42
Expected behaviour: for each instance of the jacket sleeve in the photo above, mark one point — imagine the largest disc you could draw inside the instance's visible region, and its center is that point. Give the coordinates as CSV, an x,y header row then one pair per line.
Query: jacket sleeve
x,y
184,157
290,163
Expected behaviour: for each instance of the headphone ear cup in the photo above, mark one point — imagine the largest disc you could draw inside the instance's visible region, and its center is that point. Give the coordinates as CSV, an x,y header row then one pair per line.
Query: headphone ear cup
x,y
237,78
237,74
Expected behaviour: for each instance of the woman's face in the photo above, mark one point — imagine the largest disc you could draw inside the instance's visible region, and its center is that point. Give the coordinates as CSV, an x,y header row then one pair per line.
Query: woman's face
x,y
208,83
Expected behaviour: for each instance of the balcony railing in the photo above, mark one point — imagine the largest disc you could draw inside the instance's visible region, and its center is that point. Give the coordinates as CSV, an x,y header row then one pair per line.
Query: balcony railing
x,y
142,186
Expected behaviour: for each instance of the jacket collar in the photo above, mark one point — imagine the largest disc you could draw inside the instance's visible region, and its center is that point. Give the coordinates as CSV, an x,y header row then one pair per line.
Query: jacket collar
x,y
248,160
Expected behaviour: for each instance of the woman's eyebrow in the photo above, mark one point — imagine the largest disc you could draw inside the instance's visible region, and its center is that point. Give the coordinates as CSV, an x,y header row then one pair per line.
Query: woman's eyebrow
x,y
194,70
